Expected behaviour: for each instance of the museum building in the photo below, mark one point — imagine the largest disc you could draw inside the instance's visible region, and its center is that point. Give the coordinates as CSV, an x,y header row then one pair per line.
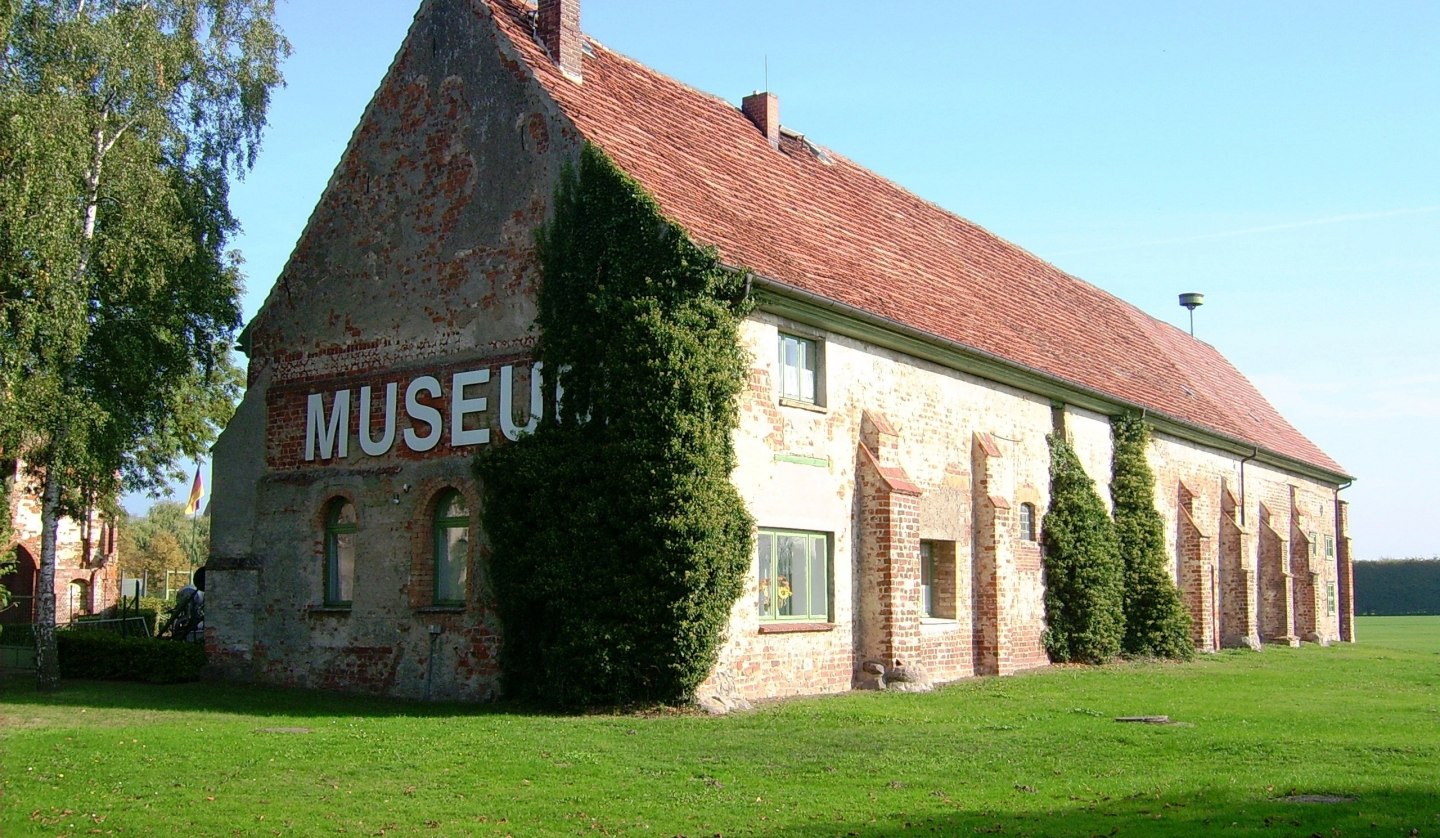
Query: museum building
x,y
906,368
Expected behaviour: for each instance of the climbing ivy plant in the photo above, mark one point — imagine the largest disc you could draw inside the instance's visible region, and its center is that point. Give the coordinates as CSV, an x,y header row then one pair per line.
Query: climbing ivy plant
x,y
1156,622
1084,613
619,543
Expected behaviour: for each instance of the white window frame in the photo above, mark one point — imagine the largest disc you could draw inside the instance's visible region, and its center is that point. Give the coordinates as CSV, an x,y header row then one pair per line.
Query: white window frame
x,y
1031,533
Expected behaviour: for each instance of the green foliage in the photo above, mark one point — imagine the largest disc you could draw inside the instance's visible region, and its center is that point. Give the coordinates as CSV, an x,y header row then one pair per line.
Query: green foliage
x,y
619,542
8,563
7,557
119,125
106,656
1156,622
1084,576
1398,586
162,539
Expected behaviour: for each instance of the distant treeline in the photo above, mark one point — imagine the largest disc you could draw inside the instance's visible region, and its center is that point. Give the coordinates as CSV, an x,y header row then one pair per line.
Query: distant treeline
x,y
1398,586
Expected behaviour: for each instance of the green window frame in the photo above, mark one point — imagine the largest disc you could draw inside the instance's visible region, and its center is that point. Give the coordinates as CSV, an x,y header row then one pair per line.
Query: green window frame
x,y
1330,598
800,369
451,548
341,525
1329,546
795,571
1314,544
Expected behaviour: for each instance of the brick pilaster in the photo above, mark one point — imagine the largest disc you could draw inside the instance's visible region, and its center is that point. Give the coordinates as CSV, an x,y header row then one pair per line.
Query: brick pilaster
x,y
995,571
1345,571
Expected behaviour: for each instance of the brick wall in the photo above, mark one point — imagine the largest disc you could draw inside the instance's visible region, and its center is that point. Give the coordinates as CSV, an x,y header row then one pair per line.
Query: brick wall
x,y
87,565
418,260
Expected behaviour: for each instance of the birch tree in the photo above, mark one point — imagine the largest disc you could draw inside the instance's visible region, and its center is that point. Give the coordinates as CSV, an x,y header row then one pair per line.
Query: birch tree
x,y
120,124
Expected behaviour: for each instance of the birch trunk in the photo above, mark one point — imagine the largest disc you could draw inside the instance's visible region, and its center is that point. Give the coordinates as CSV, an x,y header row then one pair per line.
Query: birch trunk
x,y
47,651
47,658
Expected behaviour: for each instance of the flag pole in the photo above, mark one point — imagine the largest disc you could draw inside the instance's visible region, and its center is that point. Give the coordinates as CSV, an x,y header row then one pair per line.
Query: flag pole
x,y
192,508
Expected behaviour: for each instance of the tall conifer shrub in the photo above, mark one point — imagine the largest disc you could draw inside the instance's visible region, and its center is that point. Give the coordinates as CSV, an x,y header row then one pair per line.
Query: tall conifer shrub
x,y
1084,588
619,544
1156,622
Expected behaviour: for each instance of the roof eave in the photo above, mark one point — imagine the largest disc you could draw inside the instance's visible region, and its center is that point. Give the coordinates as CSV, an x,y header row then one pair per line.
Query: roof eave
x,y
815,310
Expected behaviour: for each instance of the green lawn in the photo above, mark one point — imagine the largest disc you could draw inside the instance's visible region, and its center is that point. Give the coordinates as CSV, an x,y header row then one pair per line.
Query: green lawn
x,y
1037,754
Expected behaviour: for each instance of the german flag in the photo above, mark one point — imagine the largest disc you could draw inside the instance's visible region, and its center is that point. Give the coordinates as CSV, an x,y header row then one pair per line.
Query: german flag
x,y
197,491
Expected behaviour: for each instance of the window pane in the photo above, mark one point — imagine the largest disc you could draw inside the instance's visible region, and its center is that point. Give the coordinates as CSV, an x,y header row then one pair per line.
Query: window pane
x,y
927,579
342,567
342,513
819,578
789,574
452,563
767,575
789,367
807,371
454,506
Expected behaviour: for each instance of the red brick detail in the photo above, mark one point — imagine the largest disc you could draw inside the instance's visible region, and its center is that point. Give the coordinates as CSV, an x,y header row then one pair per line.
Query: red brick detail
x,y
1276,620
558,24
889,583
1345,571
763,109
1198,582
894,476
794,628
286,405
1237,579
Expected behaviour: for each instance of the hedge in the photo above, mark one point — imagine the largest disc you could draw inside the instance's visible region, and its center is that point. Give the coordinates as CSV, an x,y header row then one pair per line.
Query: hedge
x,y
101,655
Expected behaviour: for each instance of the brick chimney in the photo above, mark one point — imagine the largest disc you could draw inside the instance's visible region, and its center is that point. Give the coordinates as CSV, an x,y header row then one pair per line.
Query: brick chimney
x,y
763,109
558,24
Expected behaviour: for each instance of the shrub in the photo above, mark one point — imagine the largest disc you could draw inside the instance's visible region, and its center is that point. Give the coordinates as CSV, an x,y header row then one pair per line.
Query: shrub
x,y
104,656
1156,622
1084,589
619,543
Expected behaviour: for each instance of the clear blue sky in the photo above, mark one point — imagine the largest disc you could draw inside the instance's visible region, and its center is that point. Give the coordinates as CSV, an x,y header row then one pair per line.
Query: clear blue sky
x,y
1283,158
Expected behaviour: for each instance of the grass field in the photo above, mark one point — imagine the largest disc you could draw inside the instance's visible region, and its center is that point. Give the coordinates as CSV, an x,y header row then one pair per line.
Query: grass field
x,y
1036,754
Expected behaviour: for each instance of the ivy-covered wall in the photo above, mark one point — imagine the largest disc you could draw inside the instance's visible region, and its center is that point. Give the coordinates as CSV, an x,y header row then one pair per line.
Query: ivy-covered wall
x,y
1084,613
1156,622
618,542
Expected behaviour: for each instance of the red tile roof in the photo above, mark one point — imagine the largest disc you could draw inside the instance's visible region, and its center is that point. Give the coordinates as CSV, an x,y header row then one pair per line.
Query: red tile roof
x,y
833,228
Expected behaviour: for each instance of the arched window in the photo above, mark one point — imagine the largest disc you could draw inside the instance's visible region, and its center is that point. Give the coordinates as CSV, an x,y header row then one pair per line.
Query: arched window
x,y
452,548
340,525
1027,521
79,598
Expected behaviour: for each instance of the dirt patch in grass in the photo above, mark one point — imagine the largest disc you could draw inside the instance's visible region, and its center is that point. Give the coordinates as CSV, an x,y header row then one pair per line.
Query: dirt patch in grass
x,y
1316,798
